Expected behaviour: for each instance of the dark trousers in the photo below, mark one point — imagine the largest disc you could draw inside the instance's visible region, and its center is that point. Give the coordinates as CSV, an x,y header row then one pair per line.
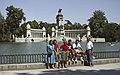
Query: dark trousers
x,y
89,54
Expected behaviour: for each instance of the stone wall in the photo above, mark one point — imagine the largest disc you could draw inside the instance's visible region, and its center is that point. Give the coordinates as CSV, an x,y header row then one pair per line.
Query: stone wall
x,y
26,66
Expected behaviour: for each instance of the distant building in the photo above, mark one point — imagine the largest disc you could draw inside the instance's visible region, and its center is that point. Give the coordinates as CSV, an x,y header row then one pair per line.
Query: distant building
x,y
38,35
33,35
60,31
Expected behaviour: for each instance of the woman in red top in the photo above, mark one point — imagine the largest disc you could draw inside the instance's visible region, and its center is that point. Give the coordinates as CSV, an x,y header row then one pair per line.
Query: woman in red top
x,y
55,47
56,51
64,55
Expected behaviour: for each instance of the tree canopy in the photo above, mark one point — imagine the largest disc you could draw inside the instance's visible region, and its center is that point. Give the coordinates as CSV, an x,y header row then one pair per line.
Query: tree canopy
x,y
100,28
3,29
34,24
112,32
97,23
13,19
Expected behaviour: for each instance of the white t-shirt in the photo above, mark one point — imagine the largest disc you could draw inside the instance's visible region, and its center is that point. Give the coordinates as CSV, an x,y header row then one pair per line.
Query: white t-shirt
x,y
76,46
89,45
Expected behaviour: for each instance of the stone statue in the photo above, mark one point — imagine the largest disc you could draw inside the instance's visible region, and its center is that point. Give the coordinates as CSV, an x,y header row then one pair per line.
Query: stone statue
x,y
59,11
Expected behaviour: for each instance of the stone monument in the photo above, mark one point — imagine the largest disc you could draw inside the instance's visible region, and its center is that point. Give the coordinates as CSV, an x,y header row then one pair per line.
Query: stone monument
x,y
60,23
28,31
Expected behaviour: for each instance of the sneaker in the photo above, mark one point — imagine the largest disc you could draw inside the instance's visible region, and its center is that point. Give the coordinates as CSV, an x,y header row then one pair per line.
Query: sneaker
x,y
91,65
65,66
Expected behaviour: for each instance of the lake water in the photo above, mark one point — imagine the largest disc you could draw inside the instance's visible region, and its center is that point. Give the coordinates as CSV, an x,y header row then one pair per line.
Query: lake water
x,y
40,47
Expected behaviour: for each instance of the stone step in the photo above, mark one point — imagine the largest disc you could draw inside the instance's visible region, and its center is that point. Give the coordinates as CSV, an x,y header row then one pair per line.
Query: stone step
x,y
27,66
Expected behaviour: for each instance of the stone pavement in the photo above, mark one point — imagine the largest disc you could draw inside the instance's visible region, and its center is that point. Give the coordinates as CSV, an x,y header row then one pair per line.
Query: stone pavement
x,y
28,66
104,69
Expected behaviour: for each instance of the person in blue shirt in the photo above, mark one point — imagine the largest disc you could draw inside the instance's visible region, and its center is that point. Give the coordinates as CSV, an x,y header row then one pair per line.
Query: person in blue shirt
x,y
50,54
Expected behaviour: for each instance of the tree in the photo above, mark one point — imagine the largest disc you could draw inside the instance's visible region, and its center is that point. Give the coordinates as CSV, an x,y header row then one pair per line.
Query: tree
x,y
48,27
23,29
97,24
1,25
13,19
112,32
34,24
3,29
73,26
118,32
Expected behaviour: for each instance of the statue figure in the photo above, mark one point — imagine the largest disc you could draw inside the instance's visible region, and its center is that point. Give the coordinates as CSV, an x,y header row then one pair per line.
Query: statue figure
x,y
59,11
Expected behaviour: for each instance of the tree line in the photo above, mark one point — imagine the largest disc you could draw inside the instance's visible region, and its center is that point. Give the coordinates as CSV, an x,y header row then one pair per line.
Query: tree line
x,y
100,27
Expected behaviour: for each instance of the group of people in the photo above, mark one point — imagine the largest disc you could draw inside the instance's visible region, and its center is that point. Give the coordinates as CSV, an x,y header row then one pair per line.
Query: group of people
x,y
68,52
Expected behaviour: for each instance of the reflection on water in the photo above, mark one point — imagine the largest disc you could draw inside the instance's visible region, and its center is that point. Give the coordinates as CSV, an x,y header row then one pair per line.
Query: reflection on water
x,y
22,48
40,47
106,47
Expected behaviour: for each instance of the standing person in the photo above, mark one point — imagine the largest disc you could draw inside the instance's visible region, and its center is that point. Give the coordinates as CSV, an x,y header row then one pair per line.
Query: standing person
x,y
56,51
50,54
77,50
70,58
89,52
64,48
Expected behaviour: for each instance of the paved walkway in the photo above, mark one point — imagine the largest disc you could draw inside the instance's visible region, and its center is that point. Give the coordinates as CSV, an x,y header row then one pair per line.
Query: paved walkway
x,y
106,69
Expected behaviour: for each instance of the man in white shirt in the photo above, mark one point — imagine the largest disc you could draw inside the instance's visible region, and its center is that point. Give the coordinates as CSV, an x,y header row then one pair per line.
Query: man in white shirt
x,y
77,49
89,51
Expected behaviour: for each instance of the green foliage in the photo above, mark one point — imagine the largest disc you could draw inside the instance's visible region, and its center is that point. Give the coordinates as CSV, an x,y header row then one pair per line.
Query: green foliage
x,y
73,26
97,23
23,29
3,29
13,19
48,27
102,29
34,24
112,32
49,31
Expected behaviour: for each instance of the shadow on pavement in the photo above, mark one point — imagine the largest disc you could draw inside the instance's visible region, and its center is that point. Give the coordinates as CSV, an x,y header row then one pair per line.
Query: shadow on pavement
x,y
23,74
77,72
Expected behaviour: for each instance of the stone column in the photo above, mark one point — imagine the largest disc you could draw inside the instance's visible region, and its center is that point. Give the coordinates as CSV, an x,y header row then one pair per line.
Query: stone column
x,y
44,32
28,31
56,31
53,31
88,31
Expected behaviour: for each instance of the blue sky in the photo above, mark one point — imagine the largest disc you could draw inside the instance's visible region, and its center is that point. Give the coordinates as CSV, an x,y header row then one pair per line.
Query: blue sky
x,y
73,10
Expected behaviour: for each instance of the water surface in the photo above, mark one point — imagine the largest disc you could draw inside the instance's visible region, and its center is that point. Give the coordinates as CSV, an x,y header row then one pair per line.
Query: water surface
x,y
40,47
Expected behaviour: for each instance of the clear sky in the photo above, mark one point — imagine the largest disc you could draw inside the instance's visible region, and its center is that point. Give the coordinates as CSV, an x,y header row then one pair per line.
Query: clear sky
x,y
73,10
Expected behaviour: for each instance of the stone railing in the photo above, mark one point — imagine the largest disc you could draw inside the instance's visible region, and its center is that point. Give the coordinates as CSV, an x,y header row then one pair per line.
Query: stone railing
x,y
23,58
42,58
107,54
